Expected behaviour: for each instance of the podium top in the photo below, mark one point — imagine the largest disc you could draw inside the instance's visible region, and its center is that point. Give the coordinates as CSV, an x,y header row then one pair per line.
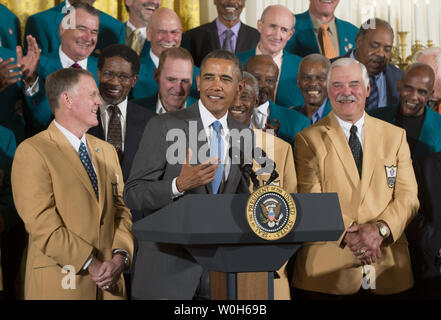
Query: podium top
x,y
221,219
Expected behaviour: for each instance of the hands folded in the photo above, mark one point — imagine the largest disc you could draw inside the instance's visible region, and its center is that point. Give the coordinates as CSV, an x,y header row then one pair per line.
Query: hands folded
x,y
107,273
364,240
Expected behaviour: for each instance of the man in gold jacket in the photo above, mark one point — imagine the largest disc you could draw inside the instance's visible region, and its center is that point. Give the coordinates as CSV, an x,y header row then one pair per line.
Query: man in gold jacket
x,y
67,188
367,162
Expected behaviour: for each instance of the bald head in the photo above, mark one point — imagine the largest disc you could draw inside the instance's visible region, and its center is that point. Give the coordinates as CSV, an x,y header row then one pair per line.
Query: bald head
x,y
416,87
164,30
265,70
432,57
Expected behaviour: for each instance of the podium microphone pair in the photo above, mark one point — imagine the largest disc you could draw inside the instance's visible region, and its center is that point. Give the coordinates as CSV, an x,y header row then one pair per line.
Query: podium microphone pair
x,y
246,165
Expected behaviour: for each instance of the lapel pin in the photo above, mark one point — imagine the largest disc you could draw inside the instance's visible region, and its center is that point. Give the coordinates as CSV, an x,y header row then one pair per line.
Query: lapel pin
x,y
10,31
346,39
97,149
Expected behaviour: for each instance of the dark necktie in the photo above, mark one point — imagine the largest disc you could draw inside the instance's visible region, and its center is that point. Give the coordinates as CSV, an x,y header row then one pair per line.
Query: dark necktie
x,y
84,156
76,66
114,131
216,150
357,151
227,42
372,100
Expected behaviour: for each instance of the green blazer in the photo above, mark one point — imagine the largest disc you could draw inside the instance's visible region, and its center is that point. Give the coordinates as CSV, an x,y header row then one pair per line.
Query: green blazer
x,y
290,121
429,141
44,27
10,30
9,97
146,85
288,93
304,40
39,111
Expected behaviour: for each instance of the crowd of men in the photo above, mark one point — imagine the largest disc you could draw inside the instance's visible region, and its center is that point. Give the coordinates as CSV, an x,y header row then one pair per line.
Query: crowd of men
x,y
88,105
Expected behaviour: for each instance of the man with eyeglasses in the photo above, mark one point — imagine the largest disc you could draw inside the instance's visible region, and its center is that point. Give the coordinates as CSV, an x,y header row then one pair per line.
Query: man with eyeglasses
x,y
77,44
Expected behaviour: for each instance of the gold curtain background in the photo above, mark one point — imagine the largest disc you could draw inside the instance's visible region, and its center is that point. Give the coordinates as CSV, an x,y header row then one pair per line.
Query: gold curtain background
x,y
188,10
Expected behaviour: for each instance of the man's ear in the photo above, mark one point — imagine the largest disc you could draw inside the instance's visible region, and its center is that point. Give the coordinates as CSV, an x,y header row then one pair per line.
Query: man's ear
x,y
198,81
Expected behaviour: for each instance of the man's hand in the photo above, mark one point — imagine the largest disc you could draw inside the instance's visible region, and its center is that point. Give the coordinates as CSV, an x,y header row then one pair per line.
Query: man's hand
x,y
269,126
109,272
30,61
364,241
195,176
7,75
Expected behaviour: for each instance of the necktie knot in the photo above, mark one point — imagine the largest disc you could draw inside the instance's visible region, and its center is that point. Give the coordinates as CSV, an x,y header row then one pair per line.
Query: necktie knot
x,y
115,110
217,127
354,129
324,27
76,66
227,45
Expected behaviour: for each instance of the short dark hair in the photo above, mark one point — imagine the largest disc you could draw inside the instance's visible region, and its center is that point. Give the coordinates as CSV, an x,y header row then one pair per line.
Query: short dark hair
x,y
61,81
176,53
369,23
85,6
226,55
122,51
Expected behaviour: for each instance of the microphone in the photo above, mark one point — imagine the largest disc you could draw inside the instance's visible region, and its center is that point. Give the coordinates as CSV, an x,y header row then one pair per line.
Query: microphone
x,y
246,165
267,165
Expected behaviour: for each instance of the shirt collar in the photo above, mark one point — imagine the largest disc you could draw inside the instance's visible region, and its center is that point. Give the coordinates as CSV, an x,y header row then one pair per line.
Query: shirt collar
x,y
319,113
208,119
317,23
74,141
122,107
277,57
346,126
221,27
67,62
133,28
159,107
263,108
155,59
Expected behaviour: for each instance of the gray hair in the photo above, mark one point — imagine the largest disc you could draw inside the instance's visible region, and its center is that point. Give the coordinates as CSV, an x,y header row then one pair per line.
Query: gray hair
x,y
343,62
265,11
255,84
434,52
316,57
370,24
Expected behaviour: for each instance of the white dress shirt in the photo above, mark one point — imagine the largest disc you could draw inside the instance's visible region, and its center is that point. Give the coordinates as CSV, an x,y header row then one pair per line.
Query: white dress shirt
x,y
260,115
105,118
154,58
346,126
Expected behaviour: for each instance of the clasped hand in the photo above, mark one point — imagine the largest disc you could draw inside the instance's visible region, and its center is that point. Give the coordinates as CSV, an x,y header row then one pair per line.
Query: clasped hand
x,y
364,241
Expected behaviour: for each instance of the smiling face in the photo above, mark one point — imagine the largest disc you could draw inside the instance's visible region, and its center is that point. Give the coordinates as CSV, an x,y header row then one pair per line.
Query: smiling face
x,y
323,8
164,31
218,84
244,104
275,29
266,73
141,11
415,89
116,80
347,92
79,43
174,81
84,103
374,50
229,10
311,80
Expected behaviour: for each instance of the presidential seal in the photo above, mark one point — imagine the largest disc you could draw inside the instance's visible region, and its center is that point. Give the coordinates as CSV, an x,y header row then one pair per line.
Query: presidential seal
x,y
271,212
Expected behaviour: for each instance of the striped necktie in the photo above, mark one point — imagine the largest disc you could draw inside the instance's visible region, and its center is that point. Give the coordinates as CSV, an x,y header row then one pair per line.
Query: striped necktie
x,y
227,45
373,99
216,150
84,156
114,131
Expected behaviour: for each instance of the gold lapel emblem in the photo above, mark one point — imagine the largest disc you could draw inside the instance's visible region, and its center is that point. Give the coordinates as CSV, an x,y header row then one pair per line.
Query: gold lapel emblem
x,y
10,31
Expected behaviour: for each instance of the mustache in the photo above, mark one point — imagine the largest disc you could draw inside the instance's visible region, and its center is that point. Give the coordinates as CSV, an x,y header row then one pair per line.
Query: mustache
x,y
342,98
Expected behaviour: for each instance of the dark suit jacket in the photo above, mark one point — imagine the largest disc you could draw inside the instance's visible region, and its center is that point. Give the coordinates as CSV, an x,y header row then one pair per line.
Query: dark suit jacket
x,y
168,271
393,74
204,39
150,102
424,232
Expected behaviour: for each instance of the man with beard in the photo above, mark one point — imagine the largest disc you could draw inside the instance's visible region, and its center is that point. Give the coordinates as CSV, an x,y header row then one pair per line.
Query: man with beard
x,y
374,49
422,124
311,80
319,31
367,162
432,57
276,26
77,44
140,14
225,32
44,27
268,115
163,32
174,77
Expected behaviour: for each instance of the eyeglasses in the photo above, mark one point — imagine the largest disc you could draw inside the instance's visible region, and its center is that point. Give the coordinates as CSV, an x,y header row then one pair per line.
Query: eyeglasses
x,y
109,75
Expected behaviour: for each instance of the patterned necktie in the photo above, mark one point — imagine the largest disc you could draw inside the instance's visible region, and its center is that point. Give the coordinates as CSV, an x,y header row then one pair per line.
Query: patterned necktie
x,y
227,42
355,145
135,41
216,150
372,100
84,156
328,47
114,131
76,66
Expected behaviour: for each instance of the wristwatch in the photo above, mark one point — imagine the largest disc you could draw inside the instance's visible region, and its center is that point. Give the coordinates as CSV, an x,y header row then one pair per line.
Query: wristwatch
x,y
383,229
125,256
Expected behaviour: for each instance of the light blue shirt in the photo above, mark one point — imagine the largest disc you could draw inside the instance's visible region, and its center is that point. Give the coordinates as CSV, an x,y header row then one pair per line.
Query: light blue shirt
x,y
221,28
318,114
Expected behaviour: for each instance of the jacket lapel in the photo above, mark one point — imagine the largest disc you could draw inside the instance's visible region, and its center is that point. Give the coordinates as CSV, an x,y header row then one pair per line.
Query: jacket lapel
x,y
427,140
371,142
338,139
98,159
212,30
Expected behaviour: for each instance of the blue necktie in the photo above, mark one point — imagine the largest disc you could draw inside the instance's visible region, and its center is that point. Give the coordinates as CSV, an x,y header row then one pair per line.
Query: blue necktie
x,y
88,166
216,150
373,99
